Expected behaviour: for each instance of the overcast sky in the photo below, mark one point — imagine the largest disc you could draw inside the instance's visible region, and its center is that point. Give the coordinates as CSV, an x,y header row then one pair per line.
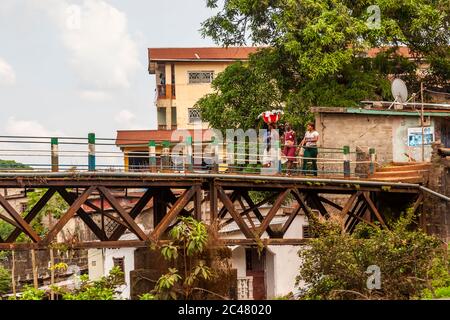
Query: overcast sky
x,y
69,67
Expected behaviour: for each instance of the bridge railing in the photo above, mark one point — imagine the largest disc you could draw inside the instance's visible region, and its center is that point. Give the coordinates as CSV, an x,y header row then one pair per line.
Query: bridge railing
x,y
56,154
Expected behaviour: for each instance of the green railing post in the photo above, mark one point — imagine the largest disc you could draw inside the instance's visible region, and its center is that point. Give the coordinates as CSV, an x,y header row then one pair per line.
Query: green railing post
x,y
152,155
372,160
54,156
91,155
189,155
346,151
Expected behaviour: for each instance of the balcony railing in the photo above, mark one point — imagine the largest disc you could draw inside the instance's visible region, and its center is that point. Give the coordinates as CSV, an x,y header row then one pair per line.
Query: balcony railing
x,y
245,288
166,91
166,127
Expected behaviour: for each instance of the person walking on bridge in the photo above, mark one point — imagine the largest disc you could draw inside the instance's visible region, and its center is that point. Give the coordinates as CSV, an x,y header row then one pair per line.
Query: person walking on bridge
x,y
289,146
309,143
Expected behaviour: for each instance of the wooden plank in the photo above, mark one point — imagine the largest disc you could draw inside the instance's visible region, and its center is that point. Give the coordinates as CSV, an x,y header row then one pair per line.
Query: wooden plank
x,y
198,203
10,221
236,216
247,215
318,205
123,214
418,203
331,203
181,202
137,209
351,213
255,209
20,221
70,199
358,217
213,205
273,211
265,242
224,209
70,213
302,202
373,209
291,218
348,204
33,213
145,244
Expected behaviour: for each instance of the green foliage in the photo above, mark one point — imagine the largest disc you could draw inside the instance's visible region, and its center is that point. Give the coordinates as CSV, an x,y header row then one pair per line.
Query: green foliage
x,y
190,238
30,293
56,206
103,289
334,264
11,164
147,296
315,55
5,281
191,233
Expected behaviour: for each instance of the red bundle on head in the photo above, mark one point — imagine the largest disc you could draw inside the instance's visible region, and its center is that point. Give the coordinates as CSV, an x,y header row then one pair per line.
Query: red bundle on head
x,y
271,116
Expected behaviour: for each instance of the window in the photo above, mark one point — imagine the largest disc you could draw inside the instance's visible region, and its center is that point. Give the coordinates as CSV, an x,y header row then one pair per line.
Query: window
x,y
194,115
200,76
307,232
174,117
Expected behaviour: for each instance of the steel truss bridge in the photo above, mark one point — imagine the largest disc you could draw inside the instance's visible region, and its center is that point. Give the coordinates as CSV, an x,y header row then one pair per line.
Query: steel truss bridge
x,y
176,194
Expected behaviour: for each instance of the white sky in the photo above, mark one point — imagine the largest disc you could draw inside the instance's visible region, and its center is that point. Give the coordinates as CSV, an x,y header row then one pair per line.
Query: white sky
x,y
59,74
69,67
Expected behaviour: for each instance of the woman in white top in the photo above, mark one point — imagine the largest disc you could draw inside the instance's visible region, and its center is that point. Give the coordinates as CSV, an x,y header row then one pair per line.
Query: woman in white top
x,y
309,143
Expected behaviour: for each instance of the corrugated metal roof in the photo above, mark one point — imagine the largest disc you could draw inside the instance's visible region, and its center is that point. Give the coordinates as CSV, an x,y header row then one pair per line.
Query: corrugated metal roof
x,y
379,111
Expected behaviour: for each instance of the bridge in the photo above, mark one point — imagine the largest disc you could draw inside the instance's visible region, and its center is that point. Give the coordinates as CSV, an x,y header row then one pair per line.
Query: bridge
x,y
219,191
216,197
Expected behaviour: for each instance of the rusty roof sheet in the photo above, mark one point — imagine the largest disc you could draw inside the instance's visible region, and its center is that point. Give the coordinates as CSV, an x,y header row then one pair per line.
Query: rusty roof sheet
x,y
142,137
200,54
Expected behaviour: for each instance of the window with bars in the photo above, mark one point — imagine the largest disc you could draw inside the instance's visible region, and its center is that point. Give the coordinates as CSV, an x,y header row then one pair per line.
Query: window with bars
x,y
201,76
307,232
194,115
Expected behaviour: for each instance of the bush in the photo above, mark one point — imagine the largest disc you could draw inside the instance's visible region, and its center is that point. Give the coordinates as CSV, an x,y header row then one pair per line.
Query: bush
x,y
5,281
335,264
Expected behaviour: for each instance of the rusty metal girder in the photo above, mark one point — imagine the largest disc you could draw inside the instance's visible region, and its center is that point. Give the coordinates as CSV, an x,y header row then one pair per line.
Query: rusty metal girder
x,y
190,202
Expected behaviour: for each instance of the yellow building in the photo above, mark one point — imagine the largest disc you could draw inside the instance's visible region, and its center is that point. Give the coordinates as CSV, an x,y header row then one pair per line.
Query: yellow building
x,y
183,76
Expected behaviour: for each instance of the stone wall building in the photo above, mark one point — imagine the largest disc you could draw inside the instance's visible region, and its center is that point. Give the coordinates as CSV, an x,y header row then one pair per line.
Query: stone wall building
x,y
395,134
436,219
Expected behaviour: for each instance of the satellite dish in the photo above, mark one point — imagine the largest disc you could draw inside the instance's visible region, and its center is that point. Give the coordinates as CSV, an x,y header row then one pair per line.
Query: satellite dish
x,y
399,91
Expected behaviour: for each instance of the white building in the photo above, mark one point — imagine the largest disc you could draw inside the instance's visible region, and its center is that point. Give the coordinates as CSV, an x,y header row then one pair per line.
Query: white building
x,y
101,261
264,275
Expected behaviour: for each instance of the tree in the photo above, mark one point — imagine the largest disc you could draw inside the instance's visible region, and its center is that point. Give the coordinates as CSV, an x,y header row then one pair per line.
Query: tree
x,y
105,288
5,281
315,54
55,207
334,265
11,164
189,241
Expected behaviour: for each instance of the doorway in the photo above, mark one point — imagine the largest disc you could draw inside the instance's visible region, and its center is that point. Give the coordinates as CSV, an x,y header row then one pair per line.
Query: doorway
x,y
255,267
